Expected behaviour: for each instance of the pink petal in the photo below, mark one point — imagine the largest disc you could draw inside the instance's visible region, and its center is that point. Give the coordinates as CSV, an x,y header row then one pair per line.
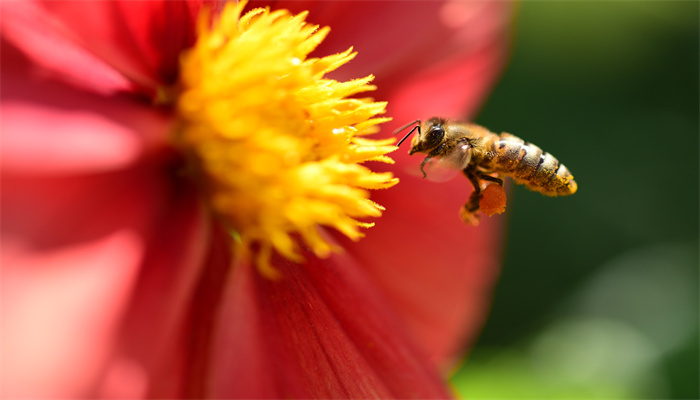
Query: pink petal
x,y
322,331
52,128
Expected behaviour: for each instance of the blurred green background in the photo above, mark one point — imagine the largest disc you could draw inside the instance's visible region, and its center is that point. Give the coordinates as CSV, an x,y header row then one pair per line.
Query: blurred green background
x,y
598,296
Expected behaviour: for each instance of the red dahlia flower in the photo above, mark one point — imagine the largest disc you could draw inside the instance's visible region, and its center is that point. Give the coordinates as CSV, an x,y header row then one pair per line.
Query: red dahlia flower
x,y
182,191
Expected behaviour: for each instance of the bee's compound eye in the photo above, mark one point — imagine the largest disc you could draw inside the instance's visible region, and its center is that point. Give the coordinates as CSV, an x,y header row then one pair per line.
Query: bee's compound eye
x,y
435,135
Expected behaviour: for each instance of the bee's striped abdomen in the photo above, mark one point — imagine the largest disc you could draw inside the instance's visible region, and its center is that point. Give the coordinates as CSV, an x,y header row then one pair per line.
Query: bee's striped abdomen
x,y
529,165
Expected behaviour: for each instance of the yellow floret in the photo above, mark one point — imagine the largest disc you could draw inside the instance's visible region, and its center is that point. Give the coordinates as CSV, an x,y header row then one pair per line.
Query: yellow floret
x,y
276,146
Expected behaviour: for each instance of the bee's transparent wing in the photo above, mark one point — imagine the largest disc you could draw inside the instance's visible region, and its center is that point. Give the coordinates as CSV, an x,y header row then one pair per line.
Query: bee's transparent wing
x,y
459,157
440,169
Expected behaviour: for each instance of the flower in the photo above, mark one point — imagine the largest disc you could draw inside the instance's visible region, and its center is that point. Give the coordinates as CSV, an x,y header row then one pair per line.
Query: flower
x,y
119,274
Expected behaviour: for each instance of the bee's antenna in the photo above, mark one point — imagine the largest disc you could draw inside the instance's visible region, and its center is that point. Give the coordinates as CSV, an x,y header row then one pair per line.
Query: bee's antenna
x,y
417,127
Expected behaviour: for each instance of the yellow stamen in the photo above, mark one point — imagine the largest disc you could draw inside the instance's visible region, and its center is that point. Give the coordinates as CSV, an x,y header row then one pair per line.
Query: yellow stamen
x,y
276,146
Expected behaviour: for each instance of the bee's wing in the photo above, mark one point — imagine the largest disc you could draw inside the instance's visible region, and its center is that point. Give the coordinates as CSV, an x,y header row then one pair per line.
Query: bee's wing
x,y
459,157
440,169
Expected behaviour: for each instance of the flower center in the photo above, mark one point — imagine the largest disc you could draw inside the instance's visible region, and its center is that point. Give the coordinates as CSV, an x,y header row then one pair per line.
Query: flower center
x,y
276,146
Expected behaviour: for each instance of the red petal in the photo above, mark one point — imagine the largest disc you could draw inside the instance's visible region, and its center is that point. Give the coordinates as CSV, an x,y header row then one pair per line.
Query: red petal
x,y
454,89
436,272
60,308
322,331
141,40
43,39
452,70
155,335
71,251
434,58
429,58
52,128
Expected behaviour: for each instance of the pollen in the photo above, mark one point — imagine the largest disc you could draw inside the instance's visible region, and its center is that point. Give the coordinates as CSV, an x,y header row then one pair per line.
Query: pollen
x,y
278,149
493,200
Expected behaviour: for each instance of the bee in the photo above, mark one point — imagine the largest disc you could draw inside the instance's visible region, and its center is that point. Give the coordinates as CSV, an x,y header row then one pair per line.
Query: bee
x,y
486,156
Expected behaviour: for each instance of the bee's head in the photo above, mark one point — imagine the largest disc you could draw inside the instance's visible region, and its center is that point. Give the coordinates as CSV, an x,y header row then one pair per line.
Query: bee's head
x,y
430,135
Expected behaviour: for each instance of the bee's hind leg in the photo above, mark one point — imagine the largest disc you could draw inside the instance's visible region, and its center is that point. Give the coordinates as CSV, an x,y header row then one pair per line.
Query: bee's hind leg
x,y
487,177
474,176
470,211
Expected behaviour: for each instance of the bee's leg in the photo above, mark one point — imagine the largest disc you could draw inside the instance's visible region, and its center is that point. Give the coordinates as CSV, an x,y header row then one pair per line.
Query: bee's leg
x,y
474,177
425,161
472,205
469,212
487,177
436,152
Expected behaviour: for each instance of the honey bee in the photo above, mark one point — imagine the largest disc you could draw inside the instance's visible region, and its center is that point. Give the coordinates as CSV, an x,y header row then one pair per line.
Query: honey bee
x,y
486,156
